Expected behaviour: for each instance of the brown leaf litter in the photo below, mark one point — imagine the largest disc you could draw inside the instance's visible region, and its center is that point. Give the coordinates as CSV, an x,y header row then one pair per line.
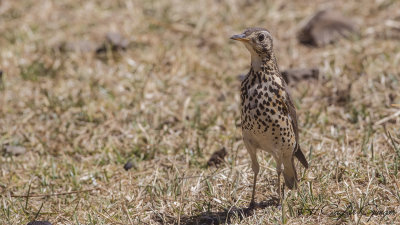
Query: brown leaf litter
x,y
217,157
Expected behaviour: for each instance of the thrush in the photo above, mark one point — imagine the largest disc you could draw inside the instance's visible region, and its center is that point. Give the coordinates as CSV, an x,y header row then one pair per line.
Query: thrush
x,y
269,120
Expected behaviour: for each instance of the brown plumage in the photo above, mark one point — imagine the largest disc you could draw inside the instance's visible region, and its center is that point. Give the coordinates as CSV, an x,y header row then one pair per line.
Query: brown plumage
x,y
269,120
292,112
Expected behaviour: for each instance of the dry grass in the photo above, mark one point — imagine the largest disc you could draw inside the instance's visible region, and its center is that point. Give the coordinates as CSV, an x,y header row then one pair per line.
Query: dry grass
x,y
172,99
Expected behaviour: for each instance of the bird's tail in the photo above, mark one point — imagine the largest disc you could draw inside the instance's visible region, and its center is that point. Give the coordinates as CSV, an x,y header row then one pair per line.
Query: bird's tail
x,y
289,173
300,156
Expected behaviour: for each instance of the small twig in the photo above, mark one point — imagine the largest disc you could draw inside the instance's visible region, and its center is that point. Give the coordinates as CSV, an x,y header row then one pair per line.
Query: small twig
x,y
142,173
77,204
54,194
127,214
384,120
107,218
192,177
27,196
40,209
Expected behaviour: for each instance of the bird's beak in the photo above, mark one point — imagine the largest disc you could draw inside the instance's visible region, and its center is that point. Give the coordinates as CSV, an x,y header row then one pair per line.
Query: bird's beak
x,y
239,37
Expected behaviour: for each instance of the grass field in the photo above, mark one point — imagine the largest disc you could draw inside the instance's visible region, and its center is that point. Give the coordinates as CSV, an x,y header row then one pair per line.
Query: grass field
x,y
172,99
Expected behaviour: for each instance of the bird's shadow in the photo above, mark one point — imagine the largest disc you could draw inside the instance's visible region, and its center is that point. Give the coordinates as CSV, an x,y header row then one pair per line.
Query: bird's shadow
x,y
225,216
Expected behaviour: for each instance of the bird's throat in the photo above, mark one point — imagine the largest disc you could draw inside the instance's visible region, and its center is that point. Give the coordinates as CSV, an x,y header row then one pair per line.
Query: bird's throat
x,y
266,63
256,62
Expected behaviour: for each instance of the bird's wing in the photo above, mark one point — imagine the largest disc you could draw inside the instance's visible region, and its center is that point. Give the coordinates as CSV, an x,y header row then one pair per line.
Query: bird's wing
x,y
291,110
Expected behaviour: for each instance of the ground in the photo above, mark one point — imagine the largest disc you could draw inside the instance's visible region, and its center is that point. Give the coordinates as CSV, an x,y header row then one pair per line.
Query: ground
x,y
171,99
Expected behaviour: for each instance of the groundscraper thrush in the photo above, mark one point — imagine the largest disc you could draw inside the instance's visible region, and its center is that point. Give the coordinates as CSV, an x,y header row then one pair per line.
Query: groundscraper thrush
x,y
269,120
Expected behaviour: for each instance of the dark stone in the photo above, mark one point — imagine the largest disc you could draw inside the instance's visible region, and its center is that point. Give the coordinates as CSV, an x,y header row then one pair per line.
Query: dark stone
x,y
325,27
128,165
298,74
39,223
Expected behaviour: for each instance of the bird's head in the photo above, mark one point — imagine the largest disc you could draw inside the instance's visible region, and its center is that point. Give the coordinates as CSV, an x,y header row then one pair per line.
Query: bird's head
x,y
257,40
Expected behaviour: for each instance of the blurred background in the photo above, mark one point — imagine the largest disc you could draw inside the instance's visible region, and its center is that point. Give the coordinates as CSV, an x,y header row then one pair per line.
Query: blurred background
x,y
88,88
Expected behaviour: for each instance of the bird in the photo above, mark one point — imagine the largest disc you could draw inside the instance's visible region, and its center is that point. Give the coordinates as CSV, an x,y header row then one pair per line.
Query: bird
x,y
268,115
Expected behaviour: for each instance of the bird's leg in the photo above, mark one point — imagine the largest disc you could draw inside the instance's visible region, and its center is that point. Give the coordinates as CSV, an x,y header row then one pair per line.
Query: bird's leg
x,y
252,203
279,172
283,194
279,185
256,168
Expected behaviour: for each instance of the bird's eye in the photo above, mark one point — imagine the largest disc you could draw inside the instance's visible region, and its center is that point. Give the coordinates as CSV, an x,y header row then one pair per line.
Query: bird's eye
x,y
261,37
